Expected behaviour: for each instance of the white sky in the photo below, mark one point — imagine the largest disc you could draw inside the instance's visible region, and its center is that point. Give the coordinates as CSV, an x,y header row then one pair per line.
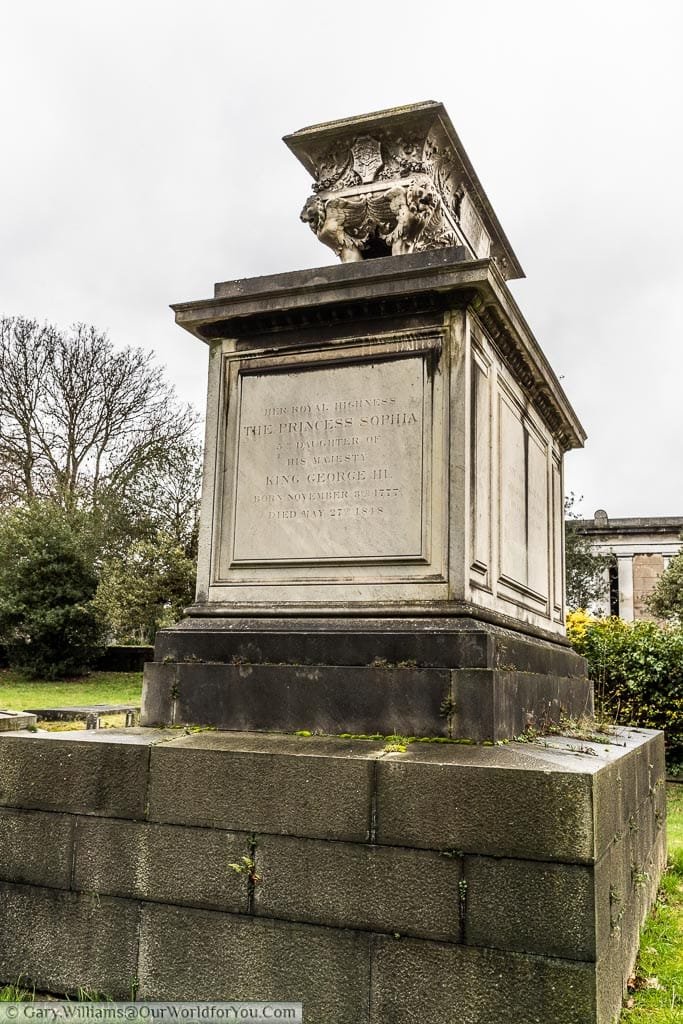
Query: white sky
x,y
141,161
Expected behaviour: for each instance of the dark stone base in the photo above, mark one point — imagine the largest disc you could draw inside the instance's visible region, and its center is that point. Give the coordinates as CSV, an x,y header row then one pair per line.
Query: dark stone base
x,y
446,883
443,677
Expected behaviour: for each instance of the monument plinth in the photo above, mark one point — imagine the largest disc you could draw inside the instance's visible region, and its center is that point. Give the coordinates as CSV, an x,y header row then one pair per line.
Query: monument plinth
x,y
383,496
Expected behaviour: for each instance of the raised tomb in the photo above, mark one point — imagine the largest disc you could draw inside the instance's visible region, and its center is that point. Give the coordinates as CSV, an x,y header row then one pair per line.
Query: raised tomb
x,y
383,503
381,554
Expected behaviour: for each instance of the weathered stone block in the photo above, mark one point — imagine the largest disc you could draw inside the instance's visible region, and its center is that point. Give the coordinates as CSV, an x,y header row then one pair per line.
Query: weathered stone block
x,y
656,750
158,694
13,721
421,641
642,829
614,790
498,801
531,907
526,820
645,757
497,704
611,978
278,784
613,888
25,856
328,970
60,942
419,982
167,863
414,892
370,675
324,698
81,772
342,641
622,785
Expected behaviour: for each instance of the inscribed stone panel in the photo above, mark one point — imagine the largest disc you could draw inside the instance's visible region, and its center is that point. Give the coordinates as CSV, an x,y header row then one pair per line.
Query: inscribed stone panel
x,y
330,463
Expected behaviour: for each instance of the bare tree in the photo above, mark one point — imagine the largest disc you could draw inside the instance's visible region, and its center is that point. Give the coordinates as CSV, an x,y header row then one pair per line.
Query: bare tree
x,y
80,420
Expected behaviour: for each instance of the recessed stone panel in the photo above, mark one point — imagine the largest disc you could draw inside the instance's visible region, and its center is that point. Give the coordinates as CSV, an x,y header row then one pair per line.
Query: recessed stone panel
x,y
537,503
330,463
512,495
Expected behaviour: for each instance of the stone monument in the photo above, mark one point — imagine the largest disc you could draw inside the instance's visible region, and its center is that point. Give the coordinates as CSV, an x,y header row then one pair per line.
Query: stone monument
x,y
381,542
381,552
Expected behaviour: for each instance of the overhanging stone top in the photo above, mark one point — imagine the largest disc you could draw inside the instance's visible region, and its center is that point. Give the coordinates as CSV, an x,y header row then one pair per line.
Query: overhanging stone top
x,y
267,305
398,181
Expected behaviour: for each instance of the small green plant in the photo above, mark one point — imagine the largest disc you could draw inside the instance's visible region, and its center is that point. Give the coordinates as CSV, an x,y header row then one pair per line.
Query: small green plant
x,y
91,995
246,866
530,735
17,994
583,749
447,707
462,900
397,744
617,908
639,877
361,736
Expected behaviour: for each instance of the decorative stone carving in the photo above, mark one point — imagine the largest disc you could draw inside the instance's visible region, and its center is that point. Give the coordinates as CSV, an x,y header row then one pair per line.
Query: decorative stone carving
x,y
367,158
397,182
405,218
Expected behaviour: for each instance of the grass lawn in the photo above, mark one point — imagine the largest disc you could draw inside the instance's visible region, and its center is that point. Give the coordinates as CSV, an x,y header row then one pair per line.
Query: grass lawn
x,y
658,990
17,693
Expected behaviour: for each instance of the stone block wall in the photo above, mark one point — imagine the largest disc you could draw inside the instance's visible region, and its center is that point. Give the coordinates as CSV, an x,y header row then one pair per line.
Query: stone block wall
x,y
449,882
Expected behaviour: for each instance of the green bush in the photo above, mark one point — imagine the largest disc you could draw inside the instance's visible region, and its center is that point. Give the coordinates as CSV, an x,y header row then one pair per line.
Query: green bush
x,y
666,600
637,669
145,589
48,623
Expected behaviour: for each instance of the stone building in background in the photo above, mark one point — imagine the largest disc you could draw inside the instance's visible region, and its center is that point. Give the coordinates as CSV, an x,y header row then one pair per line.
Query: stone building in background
x,y
642,548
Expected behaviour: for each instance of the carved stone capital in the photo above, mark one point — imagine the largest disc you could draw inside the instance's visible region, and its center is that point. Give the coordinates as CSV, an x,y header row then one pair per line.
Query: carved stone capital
x,y
397,182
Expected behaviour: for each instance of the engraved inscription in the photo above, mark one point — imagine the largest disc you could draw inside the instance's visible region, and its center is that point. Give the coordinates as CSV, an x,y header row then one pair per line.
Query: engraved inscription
x,y
330,463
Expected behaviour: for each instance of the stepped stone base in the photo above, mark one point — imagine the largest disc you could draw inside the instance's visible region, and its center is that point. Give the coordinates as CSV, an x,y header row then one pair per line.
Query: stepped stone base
x,y
450,882
417,677
12,721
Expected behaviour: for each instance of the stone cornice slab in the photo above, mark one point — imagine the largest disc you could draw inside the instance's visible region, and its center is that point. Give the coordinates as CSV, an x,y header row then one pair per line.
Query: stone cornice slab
x,y
390,285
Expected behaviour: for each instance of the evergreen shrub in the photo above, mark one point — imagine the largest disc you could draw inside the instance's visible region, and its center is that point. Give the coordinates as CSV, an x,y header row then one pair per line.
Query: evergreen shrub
x,y
637,670
49,626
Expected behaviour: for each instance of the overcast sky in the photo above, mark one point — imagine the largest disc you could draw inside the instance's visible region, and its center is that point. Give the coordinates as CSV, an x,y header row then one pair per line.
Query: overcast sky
x,y
141,161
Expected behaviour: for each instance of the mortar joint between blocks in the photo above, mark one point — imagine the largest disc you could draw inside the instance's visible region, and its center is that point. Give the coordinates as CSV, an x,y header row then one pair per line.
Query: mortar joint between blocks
x,y
372,829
